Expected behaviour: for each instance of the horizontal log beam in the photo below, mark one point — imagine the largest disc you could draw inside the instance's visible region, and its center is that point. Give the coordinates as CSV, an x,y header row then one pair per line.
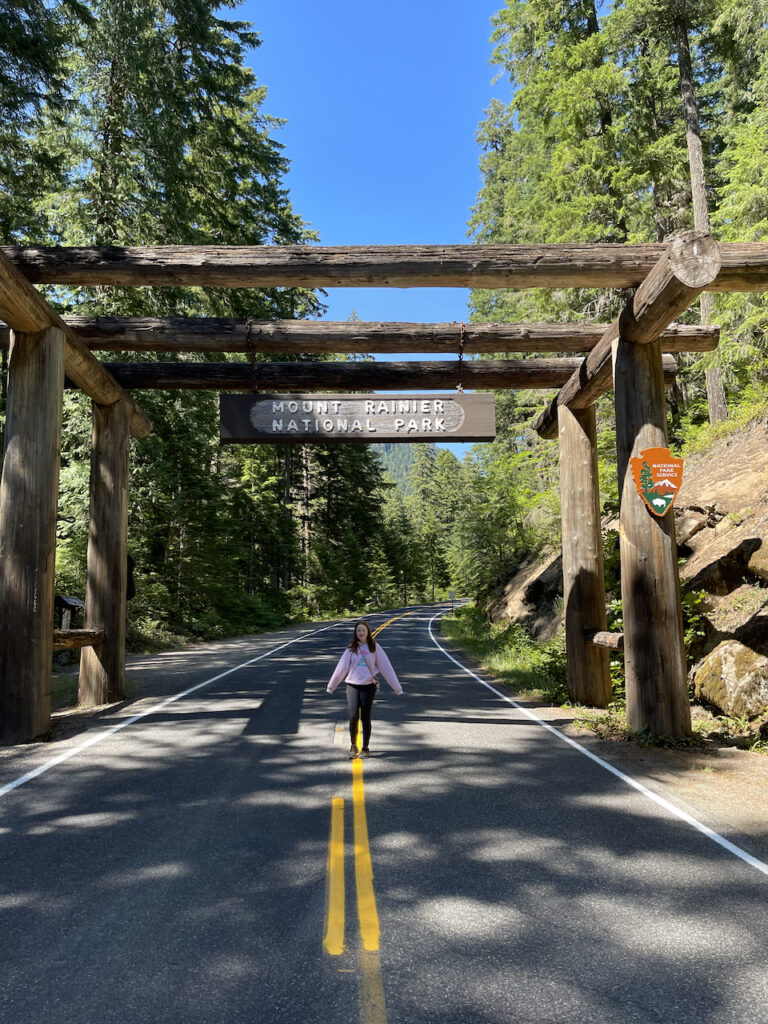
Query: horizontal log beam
x,y
587,265
680,275
601,638
24,309
350,376
69,639
208,334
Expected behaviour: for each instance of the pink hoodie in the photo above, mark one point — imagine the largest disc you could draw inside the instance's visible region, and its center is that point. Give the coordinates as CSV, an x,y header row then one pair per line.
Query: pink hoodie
x,y
360,669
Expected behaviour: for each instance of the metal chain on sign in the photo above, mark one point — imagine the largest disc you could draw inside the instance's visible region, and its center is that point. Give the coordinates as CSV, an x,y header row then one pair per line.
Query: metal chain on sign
x,y
460,386
251,353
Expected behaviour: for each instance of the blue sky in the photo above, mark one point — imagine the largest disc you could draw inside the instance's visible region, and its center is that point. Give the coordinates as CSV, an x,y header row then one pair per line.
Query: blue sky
x,y
382,102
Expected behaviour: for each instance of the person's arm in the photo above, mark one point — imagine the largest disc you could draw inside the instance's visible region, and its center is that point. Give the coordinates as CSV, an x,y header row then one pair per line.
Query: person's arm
x,y
339,672
384,666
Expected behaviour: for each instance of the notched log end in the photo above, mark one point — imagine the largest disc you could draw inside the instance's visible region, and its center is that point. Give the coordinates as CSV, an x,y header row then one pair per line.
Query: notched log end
x,y
602,638
694,257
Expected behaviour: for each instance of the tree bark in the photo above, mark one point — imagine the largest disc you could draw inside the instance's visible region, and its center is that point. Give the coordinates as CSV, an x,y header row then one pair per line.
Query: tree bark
x,y
212,334
287,513
585,265
102,669
655,670
589,680
28,499
354,376
718,409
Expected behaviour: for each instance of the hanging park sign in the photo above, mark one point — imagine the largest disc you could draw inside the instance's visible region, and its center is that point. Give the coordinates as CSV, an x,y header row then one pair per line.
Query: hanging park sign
x,y
365,419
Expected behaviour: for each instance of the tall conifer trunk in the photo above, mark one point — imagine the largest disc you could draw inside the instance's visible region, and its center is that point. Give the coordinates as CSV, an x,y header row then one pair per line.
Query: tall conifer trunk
x,y
285,572
718,409
112,131
306,516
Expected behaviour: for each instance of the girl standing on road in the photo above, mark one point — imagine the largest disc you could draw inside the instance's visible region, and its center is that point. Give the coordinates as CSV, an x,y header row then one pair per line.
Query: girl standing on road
x,y
358,665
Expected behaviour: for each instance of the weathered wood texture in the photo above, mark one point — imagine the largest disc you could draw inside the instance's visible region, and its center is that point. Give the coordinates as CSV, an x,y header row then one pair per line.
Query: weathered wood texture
x,y
690,261
351,376
102,668
23,308
657,696
589,680
356,418
71,639
28,498
744,266
211,334
613,641
584,386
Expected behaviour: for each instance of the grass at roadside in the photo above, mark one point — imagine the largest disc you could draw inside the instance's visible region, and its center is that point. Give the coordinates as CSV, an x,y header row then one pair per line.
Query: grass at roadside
x,y
528,667
64,688
721,730
537,670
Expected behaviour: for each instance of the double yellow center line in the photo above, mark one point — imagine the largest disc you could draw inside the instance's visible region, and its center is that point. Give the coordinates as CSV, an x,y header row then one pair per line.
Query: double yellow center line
x,y
333,943
372,1007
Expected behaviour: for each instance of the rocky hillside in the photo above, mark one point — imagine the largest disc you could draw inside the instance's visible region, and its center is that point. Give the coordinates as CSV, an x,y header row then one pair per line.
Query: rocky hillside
x,y
721,518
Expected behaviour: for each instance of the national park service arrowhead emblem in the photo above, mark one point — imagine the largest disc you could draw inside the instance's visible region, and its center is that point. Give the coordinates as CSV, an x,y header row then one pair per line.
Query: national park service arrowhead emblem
x,y
658,475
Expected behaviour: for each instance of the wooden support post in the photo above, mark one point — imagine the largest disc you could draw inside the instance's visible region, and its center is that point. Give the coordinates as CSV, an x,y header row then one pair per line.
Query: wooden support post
x,y
28,498
657,695
102,668
589,680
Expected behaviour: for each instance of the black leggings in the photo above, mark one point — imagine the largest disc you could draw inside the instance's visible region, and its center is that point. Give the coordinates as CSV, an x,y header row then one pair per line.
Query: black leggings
x,y
360,703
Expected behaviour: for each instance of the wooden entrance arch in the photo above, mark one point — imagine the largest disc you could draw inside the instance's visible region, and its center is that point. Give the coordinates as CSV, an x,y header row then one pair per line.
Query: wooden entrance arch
x,y
45,346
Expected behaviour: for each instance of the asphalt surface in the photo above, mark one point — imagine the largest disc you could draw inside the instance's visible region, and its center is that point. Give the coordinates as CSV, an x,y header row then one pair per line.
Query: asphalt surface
x,y
176,869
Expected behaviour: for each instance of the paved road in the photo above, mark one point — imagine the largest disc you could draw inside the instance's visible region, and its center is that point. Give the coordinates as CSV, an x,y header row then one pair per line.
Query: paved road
x,y
178,869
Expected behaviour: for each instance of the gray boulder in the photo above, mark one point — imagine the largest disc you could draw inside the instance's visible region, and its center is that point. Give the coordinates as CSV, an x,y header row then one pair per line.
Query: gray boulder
x,y
733,678
758,562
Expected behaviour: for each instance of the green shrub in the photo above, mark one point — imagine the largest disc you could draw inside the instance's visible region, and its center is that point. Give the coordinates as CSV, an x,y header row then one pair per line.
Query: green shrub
x,y
509,653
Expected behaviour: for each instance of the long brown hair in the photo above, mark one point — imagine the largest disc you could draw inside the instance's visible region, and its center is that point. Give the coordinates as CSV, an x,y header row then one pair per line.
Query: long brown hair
x,y
355,646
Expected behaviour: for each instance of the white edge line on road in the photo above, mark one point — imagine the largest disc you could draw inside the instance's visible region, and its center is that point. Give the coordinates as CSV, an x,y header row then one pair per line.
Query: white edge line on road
x,y
41,769
737,851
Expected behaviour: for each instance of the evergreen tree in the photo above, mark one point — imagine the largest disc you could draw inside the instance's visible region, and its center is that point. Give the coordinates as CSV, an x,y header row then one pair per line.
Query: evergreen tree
x,y
344,500
594,145
742,211
396,460
421,502
683,27
32,74
194,162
